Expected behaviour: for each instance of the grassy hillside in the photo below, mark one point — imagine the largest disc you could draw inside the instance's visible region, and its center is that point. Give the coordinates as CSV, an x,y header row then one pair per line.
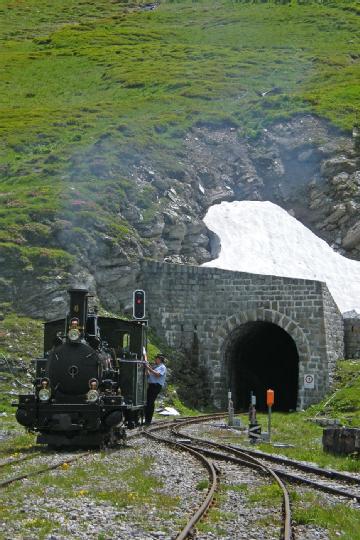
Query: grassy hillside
x,y
88,87
344,402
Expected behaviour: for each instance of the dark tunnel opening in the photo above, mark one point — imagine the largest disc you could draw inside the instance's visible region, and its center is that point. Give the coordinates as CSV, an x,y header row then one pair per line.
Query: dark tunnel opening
x,y
262,355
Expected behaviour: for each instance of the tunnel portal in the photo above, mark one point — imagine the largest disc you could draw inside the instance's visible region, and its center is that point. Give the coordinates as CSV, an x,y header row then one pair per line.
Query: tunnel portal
x,y
261,355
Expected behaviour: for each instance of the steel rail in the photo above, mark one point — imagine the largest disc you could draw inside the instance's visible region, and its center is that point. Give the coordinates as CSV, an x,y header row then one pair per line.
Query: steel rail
x,y
283,474
205,505
290,477
316,485
186,531
4,483
287,533
319,471
11,462
9,481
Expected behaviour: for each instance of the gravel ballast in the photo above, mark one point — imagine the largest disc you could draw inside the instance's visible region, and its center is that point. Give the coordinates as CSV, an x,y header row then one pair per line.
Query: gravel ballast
x,y
85,500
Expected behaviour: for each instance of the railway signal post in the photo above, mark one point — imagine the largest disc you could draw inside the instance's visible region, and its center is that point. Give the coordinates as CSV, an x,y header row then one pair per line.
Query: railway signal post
x,y
254,428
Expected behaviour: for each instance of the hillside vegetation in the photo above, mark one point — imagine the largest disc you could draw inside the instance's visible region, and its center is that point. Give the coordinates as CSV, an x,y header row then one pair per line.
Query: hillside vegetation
x,y
88,88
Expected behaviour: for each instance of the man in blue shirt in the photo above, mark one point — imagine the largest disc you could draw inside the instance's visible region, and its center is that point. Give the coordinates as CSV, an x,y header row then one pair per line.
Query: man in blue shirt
x,y
156,380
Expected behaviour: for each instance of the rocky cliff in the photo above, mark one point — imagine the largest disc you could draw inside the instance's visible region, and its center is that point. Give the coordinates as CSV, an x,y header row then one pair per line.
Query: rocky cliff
x,y
302,164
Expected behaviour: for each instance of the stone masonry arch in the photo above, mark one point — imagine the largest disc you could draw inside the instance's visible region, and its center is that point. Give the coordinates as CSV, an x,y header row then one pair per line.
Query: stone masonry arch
x,y
291,327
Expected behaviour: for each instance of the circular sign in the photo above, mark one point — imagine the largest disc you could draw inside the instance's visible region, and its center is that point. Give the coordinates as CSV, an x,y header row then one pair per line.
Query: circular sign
x,y
309,380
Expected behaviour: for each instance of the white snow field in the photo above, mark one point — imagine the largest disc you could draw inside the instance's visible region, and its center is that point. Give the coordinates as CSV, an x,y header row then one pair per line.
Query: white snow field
x,y
262,238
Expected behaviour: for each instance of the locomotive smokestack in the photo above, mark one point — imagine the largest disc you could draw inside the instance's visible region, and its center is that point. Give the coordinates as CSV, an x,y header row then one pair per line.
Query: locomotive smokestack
x,y
79,306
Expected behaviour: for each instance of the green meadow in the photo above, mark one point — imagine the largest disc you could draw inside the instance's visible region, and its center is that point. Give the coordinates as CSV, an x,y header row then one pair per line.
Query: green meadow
x,y
87,88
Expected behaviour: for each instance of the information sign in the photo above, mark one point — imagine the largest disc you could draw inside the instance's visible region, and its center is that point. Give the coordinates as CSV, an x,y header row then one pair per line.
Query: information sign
x,y
309,380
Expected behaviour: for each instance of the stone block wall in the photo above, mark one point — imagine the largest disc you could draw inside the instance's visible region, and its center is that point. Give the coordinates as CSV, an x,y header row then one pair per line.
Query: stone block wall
x,y
352,338
334,332
214,302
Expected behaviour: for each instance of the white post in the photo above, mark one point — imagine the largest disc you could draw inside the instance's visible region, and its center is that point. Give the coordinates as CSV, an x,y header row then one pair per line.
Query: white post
x,y
230,409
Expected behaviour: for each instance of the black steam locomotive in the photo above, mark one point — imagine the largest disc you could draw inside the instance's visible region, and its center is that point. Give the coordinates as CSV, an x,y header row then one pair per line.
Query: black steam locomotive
x,y
90,385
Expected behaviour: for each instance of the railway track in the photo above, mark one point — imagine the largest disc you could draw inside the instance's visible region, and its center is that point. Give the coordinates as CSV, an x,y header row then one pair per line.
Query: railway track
x,y
33,453
335,482
44,452
342,484
38,463
213,477
41,470
202,455
209,453
327,473
15,461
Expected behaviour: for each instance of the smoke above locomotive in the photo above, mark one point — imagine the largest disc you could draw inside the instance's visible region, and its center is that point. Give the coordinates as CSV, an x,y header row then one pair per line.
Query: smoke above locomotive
x,y
90,384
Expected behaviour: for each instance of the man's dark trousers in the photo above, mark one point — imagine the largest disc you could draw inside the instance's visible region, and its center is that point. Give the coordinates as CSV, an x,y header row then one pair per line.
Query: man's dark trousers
x,y
153,391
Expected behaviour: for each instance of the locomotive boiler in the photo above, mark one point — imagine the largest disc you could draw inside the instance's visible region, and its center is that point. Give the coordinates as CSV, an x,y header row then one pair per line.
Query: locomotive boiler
x,y
90,384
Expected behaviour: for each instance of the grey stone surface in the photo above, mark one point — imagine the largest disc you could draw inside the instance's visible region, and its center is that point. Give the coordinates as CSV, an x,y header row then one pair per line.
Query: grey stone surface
x,y
352,337
217,302
352,237
341,440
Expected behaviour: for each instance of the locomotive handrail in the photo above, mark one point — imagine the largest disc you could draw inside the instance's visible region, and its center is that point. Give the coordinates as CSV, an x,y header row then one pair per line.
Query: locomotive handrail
x,y
126,361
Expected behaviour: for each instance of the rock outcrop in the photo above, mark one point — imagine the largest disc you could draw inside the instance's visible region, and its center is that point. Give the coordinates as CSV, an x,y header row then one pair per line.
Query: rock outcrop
x,y
302,164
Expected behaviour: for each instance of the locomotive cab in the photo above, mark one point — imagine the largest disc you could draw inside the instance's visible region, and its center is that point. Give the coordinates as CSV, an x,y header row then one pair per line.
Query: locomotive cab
x,y
90,384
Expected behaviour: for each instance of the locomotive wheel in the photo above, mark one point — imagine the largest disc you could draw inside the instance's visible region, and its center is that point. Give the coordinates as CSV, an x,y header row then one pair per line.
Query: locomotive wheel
x,y
114,437
123,436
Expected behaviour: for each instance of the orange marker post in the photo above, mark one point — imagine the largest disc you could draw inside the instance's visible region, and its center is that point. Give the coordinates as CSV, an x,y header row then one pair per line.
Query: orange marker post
x,y
270,397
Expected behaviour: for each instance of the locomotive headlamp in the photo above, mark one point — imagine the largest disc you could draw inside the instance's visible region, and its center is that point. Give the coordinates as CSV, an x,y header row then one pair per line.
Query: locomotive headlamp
x,y
74,331
92,396
44,394
73,334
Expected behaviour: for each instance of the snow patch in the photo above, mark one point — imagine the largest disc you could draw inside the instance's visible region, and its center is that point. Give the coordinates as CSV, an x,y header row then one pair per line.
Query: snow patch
x,y
262,238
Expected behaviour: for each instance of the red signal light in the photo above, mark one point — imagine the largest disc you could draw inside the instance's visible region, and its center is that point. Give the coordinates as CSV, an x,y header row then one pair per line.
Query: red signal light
x,y
139,304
